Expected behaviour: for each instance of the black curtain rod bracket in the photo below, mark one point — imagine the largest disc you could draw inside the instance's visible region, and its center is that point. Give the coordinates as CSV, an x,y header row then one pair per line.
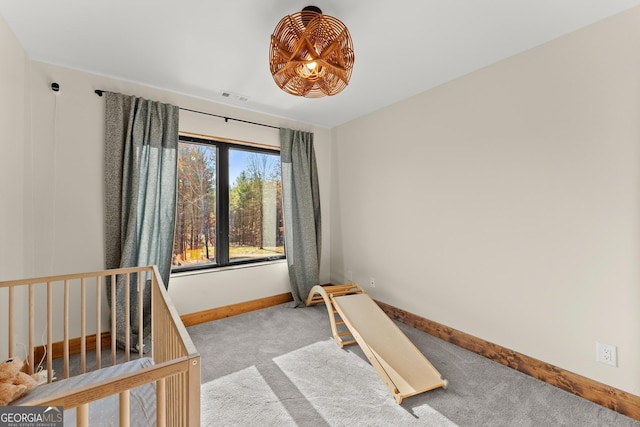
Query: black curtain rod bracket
x,y
99,92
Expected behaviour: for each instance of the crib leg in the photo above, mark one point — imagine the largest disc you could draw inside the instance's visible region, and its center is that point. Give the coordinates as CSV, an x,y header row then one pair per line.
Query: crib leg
x,y
161,398
82,415
124,409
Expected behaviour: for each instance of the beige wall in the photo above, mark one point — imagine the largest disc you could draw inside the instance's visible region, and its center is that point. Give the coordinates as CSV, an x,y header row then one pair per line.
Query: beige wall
x,y
13,131
506,203
13,69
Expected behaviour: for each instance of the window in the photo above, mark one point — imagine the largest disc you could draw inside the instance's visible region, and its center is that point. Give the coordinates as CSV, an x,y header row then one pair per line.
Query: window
x,y
229,205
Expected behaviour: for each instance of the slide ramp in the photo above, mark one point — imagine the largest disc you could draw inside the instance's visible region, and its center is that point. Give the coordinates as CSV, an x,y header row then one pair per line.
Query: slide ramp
x,y
402,367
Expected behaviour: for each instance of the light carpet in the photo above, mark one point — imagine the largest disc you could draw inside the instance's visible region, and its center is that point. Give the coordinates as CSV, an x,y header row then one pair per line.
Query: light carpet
x,y
338,384
481,393
242,399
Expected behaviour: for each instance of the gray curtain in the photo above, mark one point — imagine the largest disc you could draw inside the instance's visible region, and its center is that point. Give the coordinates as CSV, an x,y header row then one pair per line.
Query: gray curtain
x,y
141,145
301,206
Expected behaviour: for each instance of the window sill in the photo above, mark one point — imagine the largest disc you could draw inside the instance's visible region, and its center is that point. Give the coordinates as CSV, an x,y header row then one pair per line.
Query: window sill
x,y
227,268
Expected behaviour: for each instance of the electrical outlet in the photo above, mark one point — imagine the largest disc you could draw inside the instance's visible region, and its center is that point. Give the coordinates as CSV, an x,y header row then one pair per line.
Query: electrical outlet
x,y
349,276
372,282
606,353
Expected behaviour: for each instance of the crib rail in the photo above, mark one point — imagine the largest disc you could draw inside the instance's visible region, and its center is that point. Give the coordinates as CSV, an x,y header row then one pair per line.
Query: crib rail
x,y
63,326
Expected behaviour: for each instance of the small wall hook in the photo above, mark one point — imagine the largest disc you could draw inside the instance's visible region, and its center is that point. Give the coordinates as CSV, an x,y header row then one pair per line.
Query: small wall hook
x,y
55,87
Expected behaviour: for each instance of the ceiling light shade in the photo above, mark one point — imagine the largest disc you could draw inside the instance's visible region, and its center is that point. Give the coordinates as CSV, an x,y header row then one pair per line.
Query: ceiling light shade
x,y
311,54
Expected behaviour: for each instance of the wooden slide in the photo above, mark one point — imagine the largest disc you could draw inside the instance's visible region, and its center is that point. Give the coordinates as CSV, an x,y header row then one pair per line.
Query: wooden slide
x,y
401,366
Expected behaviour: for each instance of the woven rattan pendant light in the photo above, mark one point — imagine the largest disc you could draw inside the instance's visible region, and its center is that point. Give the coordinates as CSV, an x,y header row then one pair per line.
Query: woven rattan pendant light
x,y
311,54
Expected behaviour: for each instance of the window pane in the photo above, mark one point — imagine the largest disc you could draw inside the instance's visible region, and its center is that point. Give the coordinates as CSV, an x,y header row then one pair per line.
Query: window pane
x,y
194,241
255,207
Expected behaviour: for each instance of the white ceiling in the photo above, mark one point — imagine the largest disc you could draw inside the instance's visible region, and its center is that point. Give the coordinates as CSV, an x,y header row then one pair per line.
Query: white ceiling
x,y
204,47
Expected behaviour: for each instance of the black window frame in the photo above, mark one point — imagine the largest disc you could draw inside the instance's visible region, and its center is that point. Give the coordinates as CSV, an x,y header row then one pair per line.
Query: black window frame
x,y
222,204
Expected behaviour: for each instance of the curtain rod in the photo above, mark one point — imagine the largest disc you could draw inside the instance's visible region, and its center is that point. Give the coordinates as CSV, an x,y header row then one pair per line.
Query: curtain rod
x,y
99,92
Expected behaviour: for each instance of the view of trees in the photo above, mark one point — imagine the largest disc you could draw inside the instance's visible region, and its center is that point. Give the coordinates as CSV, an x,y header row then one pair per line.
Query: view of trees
x,y
255,207
195,221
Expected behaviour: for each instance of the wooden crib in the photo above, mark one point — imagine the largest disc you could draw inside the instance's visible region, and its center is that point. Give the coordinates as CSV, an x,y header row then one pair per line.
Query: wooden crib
x,y
62,326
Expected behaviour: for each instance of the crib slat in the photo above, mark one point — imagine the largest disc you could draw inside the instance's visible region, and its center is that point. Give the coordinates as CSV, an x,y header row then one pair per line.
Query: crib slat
x,y
83,326
49,331
127,316
140,314
113,319
10,322
32,315
98,325
65,349
154,314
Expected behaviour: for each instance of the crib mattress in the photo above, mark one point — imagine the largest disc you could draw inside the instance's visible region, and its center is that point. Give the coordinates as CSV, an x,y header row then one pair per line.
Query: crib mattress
x,y
104,412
